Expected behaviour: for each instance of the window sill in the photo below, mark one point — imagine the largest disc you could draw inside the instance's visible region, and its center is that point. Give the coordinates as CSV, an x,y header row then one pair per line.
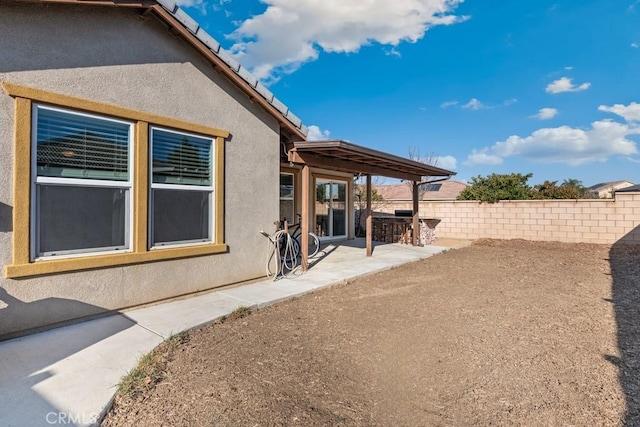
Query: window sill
x,y
46,267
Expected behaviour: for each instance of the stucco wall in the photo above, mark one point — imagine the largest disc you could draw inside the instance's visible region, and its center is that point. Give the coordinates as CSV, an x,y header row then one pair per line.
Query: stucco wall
x,y
114,56
583,221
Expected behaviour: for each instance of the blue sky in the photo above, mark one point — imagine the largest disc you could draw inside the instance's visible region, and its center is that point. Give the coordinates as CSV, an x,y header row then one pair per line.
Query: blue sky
x,y
544,87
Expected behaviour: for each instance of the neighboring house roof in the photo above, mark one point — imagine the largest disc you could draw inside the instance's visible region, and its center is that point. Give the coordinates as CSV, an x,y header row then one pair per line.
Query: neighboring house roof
x,y
604,186
443,190
633,188
189,29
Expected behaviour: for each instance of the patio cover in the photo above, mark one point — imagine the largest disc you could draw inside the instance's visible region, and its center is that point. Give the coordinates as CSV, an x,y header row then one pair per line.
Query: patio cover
x,y
347,157
351,158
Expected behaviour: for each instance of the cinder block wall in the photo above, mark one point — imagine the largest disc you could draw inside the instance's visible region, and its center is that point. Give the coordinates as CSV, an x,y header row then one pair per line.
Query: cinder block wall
x,y
579,221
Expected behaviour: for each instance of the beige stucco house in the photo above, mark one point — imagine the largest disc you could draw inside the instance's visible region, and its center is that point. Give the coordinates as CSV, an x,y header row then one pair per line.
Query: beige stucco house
x,y
139,161
606,190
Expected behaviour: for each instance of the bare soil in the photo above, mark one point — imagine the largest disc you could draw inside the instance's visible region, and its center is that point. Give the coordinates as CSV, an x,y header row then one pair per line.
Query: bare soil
x,y
498,333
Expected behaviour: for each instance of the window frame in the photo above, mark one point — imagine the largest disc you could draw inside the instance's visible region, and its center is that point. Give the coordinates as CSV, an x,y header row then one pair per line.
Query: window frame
x,y
181,187
291,198
39,181
23,265
333,181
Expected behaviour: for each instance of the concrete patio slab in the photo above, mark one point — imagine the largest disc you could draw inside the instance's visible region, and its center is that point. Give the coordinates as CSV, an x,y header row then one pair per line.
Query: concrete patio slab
x,y
175,316
68,375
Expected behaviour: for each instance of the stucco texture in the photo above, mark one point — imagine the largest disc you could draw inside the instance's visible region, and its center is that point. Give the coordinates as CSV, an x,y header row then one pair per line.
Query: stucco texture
x,y
115,56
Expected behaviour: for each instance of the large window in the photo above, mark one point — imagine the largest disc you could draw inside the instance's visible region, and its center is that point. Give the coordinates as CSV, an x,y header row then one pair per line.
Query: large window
x,y
331,208
97,185
81,183
181,188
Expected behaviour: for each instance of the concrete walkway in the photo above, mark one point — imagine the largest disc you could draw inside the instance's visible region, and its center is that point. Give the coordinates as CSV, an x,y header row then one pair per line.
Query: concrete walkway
x,y
69,375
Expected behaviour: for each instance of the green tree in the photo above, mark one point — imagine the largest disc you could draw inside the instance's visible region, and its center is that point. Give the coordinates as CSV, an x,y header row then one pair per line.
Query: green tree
x,y
575,189
496,187
569,189
547,190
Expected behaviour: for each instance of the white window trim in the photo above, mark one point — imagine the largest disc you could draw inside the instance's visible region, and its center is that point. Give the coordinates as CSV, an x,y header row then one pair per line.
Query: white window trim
x,y
332,181
293,180
76,182
200,188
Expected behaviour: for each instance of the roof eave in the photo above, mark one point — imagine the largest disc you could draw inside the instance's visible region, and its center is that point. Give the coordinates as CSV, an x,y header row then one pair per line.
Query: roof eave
x,y
221,66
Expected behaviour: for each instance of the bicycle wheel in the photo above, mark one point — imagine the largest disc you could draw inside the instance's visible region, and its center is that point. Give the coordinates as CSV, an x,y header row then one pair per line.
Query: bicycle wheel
x,y
314,245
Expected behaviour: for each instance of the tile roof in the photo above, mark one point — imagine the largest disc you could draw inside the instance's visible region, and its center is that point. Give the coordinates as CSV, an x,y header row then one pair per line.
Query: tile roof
x,y
195,28
633,188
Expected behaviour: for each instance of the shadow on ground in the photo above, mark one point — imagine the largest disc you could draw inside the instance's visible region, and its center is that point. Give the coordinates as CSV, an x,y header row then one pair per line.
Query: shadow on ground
x,y
624,259
28,363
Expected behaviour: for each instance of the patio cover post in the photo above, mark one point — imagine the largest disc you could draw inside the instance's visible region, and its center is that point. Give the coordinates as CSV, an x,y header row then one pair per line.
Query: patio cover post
x,y
304,222
414,238
369,231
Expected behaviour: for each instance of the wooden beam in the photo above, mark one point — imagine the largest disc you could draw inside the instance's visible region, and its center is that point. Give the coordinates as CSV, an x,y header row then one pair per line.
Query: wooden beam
x,y
351,234
348,166
304,221
369,220
416,207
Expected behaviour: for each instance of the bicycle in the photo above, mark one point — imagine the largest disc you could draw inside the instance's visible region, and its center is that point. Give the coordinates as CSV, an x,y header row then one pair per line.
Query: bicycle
x,y
287,247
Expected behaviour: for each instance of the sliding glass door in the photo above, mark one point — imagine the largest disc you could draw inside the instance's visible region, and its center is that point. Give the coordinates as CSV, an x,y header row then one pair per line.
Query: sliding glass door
x,y
331,208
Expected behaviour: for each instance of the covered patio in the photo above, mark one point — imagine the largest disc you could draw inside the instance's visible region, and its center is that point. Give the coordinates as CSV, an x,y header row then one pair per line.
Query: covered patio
x,y
355,160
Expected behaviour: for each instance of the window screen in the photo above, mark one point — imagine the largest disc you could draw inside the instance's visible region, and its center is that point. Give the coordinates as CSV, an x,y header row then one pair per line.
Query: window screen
x,y
82,183
181,188
74,219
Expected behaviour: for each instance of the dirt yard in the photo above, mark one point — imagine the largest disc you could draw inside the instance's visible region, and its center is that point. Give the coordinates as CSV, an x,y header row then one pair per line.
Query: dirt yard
x,y
498,333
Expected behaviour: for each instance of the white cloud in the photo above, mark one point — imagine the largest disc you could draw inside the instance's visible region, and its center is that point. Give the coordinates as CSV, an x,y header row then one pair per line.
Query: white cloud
x,y
393,52
564,84
482,157
448,104
446,162
569,68
631,112
474,104
546,114
564,144
316,134
290,33
635,45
